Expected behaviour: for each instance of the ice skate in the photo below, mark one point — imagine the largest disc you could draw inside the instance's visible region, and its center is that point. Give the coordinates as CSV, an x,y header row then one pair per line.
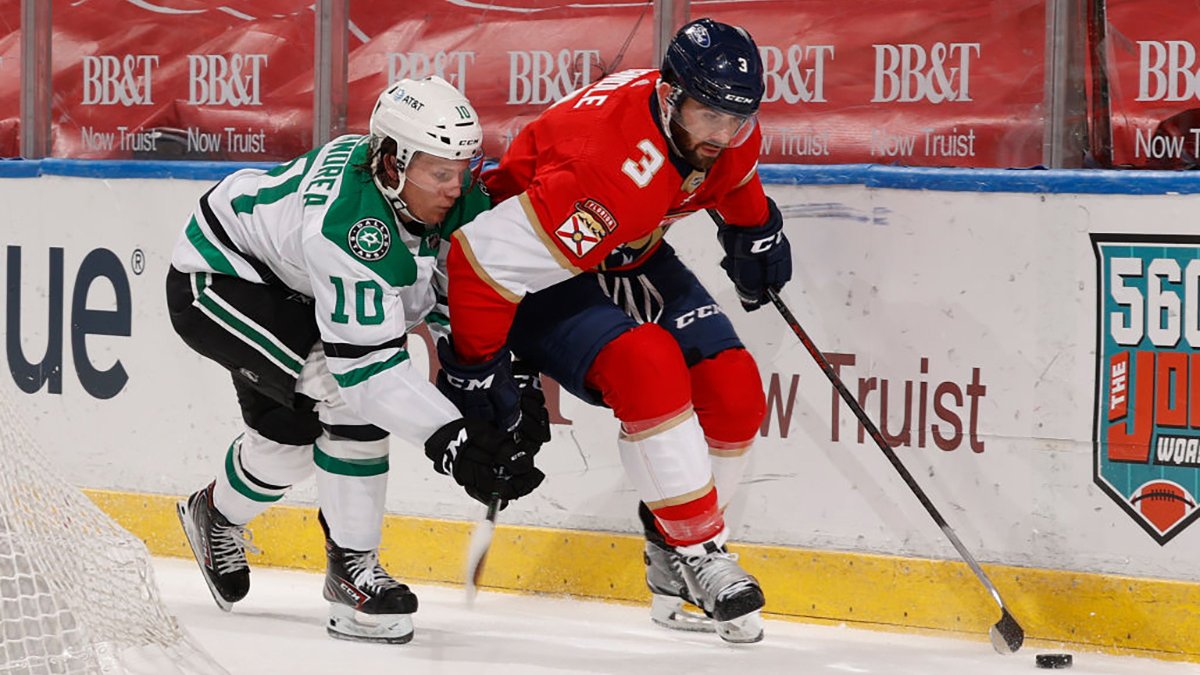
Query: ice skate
x,y
670,592
724,591
218,546
365,602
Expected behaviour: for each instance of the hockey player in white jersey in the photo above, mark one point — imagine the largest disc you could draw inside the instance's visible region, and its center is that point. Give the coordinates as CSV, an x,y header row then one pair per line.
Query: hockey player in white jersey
x,y
303,281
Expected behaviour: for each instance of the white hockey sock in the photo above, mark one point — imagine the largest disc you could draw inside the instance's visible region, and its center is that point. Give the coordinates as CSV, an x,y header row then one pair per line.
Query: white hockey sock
x,y
728,469
667,461
257,473
351,487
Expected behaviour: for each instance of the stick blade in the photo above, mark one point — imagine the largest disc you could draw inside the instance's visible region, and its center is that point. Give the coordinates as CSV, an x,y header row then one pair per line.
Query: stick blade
x,y
1007,635
477,550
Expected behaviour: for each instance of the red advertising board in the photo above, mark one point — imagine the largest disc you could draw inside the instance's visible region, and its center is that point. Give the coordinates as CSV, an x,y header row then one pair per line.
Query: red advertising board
x,y
1151,56
10,77
512,58
911,82
929,82
182,78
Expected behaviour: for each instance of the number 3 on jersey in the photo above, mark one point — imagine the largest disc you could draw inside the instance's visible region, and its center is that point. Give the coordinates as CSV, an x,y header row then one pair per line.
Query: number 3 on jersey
x,y
643,168
368,302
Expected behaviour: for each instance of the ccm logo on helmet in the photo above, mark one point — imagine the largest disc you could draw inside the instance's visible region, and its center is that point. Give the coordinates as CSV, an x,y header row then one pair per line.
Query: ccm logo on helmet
x,y
738,99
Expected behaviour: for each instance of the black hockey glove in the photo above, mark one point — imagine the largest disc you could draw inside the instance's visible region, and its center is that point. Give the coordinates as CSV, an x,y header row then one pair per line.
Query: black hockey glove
x,y
482,391
756,258
534,429
484,460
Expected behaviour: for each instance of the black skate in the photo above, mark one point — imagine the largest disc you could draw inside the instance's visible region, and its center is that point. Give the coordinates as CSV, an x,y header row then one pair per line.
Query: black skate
x,y
724,590
218,546
365,602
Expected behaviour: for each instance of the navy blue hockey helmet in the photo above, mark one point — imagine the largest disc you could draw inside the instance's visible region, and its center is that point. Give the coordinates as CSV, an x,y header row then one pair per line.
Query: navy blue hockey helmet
x,y
717,65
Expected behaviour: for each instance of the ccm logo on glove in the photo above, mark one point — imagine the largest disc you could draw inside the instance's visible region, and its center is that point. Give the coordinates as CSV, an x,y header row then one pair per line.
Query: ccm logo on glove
x,y
470,384
481,391
447,467
764,244
484,460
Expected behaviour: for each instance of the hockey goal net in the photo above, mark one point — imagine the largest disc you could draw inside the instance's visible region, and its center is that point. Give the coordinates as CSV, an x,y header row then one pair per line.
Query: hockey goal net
x,y
77,592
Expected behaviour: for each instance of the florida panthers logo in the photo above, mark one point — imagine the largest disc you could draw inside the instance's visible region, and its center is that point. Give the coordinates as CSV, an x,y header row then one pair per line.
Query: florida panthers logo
x,y
587,225
1147,413
699,35
369,239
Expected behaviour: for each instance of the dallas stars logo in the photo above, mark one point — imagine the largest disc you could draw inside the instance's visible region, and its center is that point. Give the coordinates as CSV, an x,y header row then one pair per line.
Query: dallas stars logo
x,y
369,239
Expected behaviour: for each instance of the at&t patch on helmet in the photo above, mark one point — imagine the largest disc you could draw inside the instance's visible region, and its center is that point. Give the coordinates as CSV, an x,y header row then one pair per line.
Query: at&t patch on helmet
x,y
369,239
1146,424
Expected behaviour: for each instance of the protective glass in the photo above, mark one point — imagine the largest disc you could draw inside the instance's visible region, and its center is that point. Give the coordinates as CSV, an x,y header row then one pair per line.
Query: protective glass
x,y
709,125
436,174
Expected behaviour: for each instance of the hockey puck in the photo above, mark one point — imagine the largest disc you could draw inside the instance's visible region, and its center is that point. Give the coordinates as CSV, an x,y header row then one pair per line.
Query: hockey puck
x,y
1053,660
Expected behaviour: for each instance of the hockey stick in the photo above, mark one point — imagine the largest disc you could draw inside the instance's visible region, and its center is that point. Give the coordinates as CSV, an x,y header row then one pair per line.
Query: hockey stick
x,y
477,550
1007,635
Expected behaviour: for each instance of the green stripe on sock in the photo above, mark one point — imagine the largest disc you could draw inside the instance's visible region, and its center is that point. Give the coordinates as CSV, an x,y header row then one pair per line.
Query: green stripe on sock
x,y
238,484
349,467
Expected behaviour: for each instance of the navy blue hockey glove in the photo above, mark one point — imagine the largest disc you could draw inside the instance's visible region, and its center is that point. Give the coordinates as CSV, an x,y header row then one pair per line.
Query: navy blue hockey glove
x,y
484,460
534,429
756,258
482,391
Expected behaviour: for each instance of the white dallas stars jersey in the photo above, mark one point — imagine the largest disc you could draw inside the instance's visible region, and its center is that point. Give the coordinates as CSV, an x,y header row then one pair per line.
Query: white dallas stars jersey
x,y
319,226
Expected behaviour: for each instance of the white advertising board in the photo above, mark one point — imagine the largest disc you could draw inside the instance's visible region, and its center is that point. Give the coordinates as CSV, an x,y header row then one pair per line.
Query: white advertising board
x,y
971,324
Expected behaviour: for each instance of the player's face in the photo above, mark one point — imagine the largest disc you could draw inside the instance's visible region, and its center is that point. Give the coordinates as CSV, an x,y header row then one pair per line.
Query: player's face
x,y
432,184
701,132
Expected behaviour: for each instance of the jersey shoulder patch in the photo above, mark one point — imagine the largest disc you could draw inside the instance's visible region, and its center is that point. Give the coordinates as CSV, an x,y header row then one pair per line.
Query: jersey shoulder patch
x,y
587,225
360,223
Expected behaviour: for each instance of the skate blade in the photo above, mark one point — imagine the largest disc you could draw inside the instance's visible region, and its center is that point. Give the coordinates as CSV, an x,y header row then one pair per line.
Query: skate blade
x,y
193,538
345,623
668,611
746,629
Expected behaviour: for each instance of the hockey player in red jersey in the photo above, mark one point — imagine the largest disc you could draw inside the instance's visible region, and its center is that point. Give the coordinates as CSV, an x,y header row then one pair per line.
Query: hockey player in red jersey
x,y
571,271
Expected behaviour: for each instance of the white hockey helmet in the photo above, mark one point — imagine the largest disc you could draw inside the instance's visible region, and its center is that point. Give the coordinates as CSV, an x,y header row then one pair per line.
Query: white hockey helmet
x,y
427,115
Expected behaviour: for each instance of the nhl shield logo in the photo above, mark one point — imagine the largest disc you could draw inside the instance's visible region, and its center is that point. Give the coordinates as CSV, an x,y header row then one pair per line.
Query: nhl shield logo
x,y
369,239
1146,424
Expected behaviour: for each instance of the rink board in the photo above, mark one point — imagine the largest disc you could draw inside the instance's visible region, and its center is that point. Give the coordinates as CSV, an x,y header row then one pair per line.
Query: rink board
x,y
971,296
1057,608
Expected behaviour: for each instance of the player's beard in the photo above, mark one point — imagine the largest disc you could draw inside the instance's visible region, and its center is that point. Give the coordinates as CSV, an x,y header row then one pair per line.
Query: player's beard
x,y
700,156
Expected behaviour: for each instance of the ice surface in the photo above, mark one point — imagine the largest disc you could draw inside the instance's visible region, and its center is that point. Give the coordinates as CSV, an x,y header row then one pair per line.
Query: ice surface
x,y
279,630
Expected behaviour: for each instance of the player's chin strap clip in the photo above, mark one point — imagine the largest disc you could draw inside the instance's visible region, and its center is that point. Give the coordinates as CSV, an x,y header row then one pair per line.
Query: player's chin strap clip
x,y
392,195
673,99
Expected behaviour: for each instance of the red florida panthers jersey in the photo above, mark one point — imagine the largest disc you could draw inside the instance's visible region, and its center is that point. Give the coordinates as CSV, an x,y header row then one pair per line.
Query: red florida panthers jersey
x,y
602,155
590,184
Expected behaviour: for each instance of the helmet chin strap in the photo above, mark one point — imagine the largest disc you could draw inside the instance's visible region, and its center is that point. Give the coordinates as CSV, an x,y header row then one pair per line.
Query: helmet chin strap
x,y
392,195
664,117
